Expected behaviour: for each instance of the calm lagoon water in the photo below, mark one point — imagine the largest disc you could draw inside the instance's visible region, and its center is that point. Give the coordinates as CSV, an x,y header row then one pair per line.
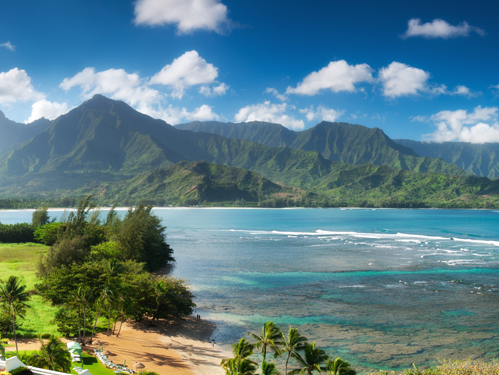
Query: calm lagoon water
x,y
381,288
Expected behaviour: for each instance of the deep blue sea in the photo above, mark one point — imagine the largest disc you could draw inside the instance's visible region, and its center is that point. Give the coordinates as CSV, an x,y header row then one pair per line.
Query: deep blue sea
x,y
383,288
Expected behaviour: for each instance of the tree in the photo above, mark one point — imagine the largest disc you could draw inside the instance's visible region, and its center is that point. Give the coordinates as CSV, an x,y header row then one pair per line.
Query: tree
x,y
268,368
52,356
270,336
82,298
40,217
141,238
339,367
241,350
238,366
293,343
2,349
15,297
312,359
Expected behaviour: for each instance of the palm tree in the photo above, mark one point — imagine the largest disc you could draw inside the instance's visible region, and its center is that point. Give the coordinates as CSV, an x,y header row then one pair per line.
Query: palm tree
x,y
2,350
14,295
52,356
339,367
103,296
240,366
270,336
292,344
312,358
268,368
241,350
82,298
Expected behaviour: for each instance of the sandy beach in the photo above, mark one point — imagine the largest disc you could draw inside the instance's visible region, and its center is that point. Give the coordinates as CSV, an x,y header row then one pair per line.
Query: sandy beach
x,y
177,347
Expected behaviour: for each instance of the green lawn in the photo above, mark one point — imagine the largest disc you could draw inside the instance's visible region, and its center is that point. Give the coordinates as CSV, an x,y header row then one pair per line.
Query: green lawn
x,y
20,260
89,363
92,364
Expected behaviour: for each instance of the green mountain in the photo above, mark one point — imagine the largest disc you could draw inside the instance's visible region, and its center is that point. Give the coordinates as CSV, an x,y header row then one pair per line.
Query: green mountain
x,y
193,183
107,148
336,141
13,133
477,159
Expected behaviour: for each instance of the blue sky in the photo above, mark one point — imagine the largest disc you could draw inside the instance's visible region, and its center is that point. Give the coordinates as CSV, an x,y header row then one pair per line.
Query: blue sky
x,y
416,69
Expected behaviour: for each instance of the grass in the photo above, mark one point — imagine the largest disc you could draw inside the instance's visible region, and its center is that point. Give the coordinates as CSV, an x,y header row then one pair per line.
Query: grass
x,y
89,363
93,365
20,260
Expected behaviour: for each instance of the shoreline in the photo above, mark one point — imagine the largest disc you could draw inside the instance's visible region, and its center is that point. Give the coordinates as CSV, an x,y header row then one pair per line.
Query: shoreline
x,y
174,347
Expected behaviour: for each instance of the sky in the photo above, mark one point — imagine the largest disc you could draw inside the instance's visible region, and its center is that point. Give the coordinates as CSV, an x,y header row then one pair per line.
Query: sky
x,y
422,70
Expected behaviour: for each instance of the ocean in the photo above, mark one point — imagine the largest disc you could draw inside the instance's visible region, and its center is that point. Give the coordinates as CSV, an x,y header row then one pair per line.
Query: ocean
x,y
382,288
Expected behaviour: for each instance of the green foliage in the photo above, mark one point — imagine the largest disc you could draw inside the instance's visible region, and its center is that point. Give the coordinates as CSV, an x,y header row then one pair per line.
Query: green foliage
x,y
40,217
20,371
67,322
47,234
52,356
107,250
16,233
142,238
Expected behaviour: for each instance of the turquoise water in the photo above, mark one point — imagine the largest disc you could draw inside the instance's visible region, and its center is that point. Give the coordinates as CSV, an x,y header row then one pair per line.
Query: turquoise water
x,y
381,288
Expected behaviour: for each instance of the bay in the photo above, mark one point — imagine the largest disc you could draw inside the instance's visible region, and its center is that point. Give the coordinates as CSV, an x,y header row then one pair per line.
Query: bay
x,y
381,288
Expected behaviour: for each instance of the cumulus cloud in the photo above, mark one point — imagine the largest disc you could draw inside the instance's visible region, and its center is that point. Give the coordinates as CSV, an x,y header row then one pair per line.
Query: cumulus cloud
x,y
337,76
465,91
175,115
439,28
215,91
321,113
188,15
15,85
274,92
190,69
8,45
116,83
49,110
466,127
268,112
399,79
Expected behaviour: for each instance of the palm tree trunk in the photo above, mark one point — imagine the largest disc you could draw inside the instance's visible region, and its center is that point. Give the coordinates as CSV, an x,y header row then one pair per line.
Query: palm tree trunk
x,y
79,324
264,352
15,334
84,324
95,323
287,360
121,325
108,319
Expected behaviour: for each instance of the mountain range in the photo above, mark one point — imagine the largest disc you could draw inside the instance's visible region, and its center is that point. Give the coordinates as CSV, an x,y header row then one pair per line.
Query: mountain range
x,y
106,148
353,144
13,133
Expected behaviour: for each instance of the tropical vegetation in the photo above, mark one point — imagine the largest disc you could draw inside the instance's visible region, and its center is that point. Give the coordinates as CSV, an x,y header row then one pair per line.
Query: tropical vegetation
x,y
99,270
307,357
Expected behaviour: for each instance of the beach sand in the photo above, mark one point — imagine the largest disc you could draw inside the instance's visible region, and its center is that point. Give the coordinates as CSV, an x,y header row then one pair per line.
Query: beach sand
x,y
176,347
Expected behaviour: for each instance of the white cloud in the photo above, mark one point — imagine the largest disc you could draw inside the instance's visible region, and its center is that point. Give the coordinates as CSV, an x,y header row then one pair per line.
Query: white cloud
x,y
399,79
419,118
49,110
117,83
465,91
322,113
337,76
439,28
265,111
274,92
215,91
188,15
16,85
466,127
187,70
175,115
8,45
